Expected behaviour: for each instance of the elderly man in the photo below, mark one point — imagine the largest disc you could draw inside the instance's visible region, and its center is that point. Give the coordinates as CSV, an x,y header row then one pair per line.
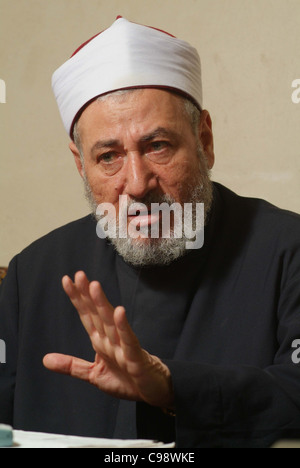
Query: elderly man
x,y
197,346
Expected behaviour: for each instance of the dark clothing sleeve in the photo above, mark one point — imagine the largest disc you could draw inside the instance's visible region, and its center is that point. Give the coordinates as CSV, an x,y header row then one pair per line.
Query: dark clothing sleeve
x,y
232,407
36,318
246,406
9,334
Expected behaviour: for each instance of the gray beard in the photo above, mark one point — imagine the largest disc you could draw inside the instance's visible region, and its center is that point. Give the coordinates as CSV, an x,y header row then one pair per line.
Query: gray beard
x,y
159,251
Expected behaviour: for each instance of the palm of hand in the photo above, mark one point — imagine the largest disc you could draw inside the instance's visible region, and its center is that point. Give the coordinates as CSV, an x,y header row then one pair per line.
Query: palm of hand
x,y
121,367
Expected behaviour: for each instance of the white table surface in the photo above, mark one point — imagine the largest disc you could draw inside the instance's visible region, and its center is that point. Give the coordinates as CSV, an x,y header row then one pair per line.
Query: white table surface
x,y
24,439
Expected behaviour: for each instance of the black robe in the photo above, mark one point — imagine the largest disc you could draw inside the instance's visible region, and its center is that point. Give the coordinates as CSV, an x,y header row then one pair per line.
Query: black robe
x,y
224,318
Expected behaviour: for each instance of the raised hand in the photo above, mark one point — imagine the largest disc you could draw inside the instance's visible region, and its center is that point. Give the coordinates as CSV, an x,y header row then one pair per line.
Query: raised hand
x,y
121,368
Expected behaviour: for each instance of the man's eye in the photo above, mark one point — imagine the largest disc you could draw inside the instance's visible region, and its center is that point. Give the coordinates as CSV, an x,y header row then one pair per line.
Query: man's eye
x,y
158,145
108,158
160,152
110,163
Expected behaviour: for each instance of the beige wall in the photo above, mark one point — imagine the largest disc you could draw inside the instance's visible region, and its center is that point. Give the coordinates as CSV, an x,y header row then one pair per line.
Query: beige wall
x,y
250,52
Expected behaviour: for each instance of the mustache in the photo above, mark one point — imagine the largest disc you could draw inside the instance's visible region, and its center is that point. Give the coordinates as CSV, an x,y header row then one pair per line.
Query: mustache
x,y
147,200
197,192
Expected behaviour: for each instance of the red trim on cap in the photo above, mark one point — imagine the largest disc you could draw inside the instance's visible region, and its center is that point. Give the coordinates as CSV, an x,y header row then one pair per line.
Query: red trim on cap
x,y
161,30
89,40
118,17
85,43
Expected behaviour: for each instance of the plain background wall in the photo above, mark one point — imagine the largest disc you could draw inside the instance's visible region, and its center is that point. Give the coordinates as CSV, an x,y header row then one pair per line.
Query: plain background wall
x,y
250,54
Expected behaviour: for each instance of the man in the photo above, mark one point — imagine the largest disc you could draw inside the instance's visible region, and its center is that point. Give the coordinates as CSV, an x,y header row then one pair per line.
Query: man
x,y
196,346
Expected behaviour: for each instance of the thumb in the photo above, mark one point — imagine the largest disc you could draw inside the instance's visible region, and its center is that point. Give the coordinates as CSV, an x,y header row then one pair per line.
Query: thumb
x,y
69,365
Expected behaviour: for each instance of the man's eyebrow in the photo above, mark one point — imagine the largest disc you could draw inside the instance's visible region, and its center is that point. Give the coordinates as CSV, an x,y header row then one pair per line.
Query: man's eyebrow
x,y
158,132
105,144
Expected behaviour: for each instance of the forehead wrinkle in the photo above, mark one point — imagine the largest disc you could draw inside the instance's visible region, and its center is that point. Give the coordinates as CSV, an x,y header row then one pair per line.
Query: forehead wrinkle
x,y
105,144
158,132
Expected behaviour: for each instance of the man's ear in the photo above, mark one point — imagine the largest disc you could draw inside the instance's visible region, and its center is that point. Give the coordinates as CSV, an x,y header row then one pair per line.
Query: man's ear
x,y
77,157
206,137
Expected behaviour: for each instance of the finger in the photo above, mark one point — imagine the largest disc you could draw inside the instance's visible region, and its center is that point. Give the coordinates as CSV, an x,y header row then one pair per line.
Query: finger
x,y
88,305
78,294
104,308
68,365
130,344
82,283
79,288
71,289
68,287
104,312
93,306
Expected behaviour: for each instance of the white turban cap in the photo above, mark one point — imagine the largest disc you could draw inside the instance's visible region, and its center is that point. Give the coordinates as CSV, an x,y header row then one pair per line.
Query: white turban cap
x,y
126,55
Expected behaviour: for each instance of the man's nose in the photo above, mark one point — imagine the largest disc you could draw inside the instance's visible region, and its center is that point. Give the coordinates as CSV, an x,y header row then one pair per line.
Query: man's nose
x,y
140,177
